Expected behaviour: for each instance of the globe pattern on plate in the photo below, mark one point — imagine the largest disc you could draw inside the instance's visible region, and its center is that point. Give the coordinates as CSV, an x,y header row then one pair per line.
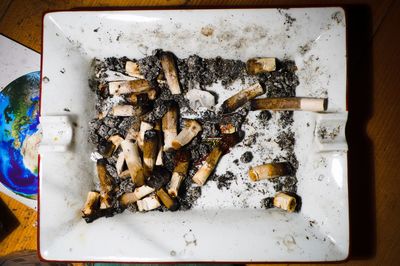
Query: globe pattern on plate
x,y
19,135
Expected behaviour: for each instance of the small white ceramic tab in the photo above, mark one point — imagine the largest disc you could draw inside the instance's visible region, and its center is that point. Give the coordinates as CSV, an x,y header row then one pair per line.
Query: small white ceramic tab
x,y
57,134
330,131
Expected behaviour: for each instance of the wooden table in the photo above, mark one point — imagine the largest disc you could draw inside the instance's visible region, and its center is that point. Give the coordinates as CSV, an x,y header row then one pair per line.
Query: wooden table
x,y
374,120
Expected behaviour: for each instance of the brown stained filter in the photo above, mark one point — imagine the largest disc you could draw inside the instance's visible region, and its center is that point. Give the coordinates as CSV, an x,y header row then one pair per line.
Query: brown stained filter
x,y
91,204
242,97
260,65
168,202
150,145
106,181
285,202
275,104
269,170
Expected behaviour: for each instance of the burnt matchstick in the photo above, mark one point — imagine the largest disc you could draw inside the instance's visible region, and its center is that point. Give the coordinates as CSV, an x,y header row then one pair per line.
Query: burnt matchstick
x,y
91,205
133,161
150,146
240,98
190,130
285,202
212,159
133,70
291,104
149,203
170,72
269,170
171,203
137,194
169,126
179,173
128,86
260,65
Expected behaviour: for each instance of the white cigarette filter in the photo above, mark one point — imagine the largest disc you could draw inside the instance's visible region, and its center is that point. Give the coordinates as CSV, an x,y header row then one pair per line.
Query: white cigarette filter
x,y
170,72
136,195
260,65
285,202
290,104
91,204
169,126
133,70
242,97
269,170
133,161
119,165
149,203
116,140
128,86
123,110
191,129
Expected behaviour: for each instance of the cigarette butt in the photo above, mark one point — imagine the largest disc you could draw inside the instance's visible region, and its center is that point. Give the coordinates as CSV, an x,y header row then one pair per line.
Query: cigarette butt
x,y
119,165
178,175
260,65
285,202
150,146
208,167
149,203
170,203
169,126
227,128
106,180
132,69
242,97
191,129
144,126
136,195
91,204
105,201
124,174
123,110
128,86
269,170
291,104
170,72
133,161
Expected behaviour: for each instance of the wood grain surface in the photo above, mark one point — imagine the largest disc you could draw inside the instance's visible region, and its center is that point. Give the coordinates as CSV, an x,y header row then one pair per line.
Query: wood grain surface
x,y
373,129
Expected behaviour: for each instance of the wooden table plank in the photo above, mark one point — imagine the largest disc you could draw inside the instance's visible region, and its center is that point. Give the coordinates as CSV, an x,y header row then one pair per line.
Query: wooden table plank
x,y
24,236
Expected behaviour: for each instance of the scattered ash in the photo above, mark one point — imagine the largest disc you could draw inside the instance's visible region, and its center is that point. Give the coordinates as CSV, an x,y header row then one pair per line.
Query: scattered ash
x,y
325,133
203,72
246,157
188,194
267,203
223,181
194,72
264,117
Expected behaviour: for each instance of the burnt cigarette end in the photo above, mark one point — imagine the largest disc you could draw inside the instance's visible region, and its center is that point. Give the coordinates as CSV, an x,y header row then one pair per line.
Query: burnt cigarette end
x,y
208,167
106,148
91,206
269,170
179,173
191,129
170,72
169,126
133,70
159,178
170,203
242,97
290,104
260,65
106,180
150,151
285,202
133,161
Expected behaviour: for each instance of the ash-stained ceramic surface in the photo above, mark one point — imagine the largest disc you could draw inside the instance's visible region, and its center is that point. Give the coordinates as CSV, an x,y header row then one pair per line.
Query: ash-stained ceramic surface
x,y
227,224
